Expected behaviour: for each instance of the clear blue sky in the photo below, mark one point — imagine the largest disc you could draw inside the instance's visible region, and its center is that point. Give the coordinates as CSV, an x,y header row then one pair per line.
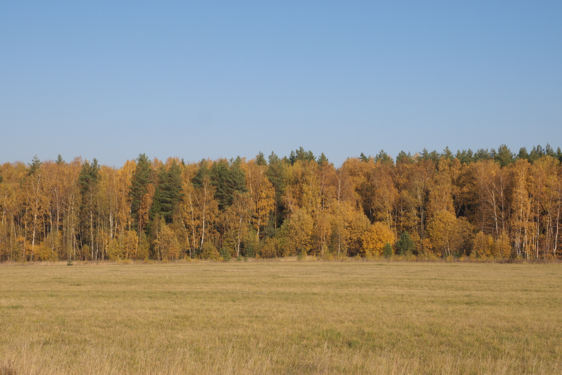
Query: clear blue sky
x,y
112,79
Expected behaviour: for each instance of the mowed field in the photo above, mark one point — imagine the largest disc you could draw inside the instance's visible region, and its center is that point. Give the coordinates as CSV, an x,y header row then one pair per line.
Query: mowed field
x,y
281,318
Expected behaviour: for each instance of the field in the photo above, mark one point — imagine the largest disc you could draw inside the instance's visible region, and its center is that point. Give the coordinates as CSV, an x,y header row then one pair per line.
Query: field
x,y
281,318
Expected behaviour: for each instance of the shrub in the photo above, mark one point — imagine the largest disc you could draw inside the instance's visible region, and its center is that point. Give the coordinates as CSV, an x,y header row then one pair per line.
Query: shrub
x,y
388,252
225,254
209,251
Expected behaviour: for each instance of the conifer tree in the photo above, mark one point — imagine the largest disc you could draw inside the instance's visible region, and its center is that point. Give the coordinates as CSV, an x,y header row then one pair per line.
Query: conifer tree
x,y
523,154
387,251
237,176
155,212
504,156
301,155
168,193
322,159
447,153
220,179
549,151
536,153
405,244
202,173
227,179
139,186
276,175
88,182
383,158
260,159
404,158
465,157
482,154
34,165
172,191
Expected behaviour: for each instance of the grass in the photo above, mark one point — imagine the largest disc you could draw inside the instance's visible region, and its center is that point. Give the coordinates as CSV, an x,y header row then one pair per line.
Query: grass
x,y
281,318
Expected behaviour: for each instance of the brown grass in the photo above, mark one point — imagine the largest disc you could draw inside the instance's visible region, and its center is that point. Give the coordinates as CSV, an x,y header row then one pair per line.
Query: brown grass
x,y
281,318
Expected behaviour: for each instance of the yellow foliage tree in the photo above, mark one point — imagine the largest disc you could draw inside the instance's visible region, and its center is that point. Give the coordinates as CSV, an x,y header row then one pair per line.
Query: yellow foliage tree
x,y
130,244
300,232
322,231
481,245
209,251
375,238
503,246
442,232
114,250
261,191
358,227
270,248
237,218
167,243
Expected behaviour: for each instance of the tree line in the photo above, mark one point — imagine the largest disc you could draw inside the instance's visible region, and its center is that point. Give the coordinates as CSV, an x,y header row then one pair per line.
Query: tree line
x,y
488,203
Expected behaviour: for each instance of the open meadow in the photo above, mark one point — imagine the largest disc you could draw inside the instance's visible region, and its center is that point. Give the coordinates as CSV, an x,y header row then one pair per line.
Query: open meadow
x,y
281,318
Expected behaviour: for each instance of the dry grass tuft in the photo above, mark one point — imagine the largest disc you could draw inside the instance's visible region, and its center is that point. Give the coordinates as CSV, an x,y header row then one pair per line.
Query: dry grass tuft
x,y
7,369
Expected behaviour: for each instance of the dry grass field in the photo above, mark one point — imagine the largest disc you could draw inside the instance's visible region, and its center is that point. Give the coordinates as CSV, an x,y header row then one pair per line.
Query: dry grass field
x,y
281,318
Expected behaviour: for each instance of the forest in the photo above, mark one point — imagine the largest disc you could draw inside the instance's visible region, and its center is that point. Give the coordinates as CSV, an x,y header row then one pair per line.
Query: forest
x,y
479,205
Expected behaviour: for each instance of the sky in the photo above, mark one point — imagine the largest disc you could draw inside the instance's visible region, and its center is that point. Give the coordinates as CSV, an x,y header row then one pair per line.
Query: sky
x,y
209,79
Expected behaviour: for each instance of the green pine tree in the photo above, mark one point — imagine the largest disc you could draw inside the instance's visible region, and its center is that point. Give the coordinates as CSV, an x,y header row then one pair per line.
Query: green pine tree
x,y
504,156
301,155
202,173
89,177
220,179
227,179
322,159
155,211
237,176
88,182
523,154
260,159
168,193
405,244
276,175
447,153
482,154
549,151
139,183
383,158
34,165
404,158
536,153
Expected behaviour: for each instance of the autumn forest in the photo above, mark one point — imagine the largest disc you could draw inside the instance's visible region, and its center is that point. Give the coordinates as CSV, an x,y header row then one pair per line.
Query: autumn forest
x,y
486,204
